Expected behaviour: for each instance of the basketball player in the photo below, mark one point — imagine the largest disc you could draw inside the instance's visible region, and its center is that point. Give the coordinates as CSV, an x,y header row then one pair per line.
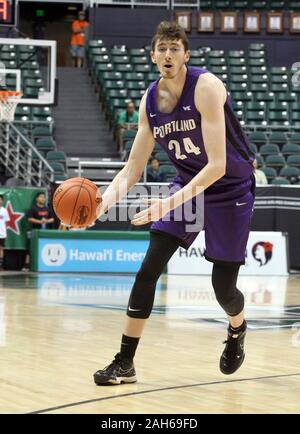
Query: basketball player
x,y
211,152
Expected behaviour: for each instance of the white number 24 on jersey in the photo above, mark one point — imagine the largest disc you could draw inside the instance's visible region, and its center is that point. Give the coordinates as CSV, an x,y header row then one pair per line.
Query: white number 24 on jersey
x,y
189,148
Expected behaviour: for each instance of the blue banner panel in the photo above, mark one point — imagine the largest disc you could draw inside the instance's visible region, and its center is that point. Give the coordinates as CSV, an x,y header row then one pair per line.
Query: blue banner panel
x,y
111,256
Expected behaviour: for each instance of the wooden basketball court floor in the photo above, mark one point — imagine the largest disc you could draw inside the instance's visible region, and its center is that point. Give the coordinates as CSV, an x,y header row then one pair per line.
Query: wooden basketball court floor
x,y
56,330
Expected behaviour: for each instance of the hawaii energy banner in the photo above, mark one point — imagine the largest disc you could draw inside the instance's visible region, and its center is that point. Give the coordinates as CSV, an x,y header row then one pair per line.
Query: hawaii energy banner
x,y
18,202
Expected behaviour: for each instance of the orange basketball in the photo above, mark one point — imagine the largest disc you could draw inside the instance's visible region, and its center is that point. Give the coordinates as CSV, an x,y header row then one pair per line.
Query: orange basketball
x,y
75,202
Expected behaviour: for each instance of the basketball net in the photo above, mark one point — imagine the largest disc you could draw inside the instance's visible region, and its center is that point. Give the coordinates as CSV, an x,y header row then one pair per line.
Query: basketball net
x,y
9,100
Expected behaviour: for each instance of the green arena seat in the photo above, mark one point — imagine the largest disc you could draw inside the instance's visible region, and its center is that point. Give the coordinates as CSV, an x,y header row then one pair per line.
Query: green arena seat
x,y
129,135
140,60
289,171
143,68
117,60
258,137
290,149
136,94
237,69
287,96
255,116
294,138
255,54
40,132
236,54
258,79
269,149
278,137
255,105
279,180
256,62
123,67
162,157
95,43
116,93
295,117
136,85
293,160
134,76
112,75
241,96
265,96
115,84
42,112
276,161
118,51
45,144
258,87
200,61
137,52
275,117
270,172
57,156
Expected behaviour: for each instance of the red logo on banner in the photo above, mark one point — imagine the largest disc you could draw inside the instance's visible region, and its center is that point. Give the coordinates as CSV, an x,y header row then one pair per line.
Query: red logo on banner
x,y
14,217
262,252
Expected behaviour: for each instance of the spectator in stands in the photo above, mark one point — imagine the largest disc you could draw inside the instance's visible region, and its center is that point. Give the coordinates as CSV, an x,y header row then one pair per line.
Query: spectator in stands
x,y
126,119
294,179
78,39
153,174
260,176
3,219
40,215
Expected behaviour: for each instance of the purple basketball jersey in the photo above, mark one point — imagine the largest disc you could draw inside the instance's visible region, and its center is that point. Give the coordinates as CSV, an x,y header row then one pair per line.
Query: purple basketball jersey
x,y
179,134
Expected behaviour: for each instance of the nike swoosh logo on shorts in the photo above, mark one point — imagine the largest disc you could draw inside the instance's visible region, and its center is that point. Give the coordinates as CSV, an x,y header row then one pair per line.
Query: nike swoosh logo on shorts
x,y
134,310
240,203
152,115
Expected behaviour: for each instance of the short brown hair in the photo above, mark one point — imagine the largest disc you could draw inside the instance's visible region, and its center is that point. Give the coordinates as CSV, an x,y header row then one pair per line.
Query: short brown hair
x,y
170,30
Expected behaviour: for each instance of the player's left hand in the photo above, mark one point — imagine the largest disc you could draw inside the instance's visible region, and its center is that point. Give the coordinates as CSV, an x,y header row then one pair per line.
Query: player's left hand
x,y
158,208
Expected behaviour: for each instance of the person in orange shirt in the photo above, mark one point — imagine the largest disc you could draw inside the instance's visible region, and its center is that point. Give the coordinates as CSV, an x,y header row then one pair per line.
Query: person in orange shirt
x,y
77,40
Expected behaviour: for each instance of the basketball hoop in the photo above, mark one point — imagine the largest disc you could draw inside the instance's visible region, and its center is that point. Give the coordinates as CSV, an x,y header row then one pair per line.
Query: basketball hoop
x,y
9,100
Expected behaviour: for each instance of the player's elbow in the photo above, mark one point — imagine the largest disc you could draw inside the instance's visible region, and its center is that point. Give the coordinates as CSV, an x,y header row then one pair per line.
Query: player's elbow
x,y
221,169
218,168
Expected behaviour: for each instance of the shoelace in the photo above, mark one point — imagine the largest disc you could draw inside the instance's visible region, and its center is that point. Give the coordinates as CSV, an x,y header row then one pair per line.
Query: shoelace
x,y
232,346
116,360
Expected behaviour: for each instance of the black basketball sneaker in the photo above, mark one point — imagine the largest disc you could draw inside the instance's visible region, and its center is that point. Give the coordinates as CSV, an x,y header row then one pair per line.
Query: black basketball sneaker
x,y
119,371
233,354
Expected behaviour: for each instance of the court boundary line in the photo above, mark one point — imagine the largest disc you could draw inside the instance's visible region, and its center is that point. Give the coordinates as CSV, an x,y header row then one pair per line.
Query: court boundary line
x,y
161,389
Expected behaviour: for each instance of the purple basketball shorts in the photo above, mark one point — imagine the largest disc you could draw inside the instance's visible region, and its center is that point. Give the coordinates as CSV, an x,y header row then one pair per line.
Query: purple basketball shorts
x,y
226,220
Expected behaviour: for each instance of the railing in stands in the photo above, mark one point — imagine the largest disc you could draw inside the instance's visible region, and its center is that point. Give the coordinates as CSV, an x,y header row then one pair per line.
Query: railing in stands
x,y
133,3
168,4
21,159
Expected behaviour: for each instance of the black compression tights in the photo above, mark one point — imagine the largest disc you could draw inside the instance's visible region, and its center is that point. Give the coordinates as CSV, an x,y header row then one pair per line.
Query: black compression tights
x,y
161,248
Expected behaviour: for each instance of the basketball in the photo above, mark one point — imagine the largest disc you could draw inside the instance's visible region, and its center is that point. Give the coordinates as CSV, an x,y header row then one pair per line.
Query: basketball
x,y
75,202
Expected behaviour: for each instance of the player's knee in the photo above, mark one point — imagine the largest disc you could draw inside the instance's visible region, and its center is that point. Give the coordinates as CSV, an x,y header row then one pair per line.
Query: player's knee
x,y
147,273
141,301
224,278
143,292
232,301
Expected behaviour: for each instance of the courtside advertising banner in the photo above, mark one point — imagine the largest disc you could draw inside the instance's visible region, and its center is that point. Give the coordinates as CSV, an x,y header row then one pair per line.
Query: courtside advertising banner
x,y
18,202
80,255
266,254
